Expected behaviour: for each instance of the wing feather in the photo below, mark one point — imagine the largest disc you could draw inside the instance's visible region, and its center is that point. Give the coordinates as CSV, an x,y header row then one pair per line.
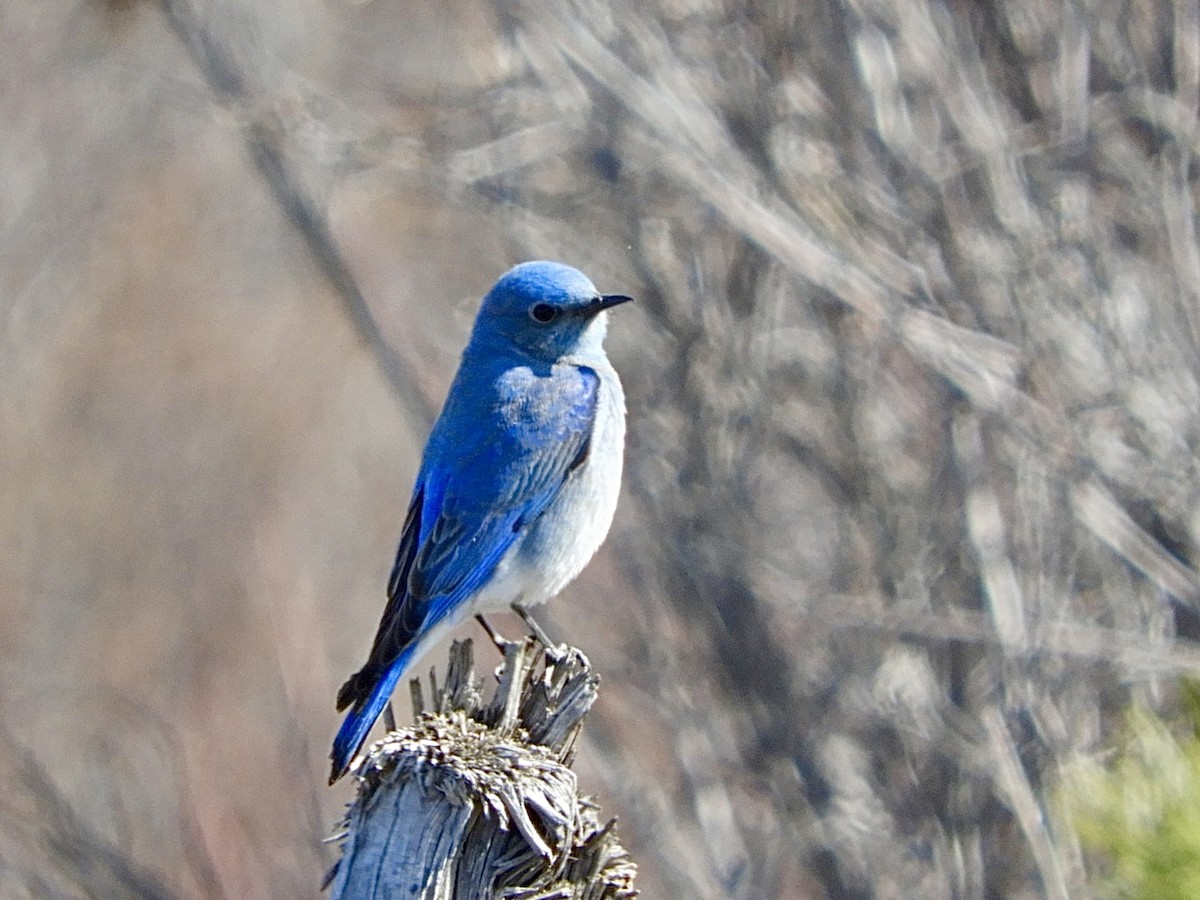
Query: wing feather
x,y
474,497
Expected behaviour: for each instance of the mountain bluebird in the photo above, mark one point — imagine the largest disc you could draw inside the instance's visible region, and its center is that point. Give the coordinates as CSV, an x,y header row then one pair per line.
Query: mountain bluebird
x,y
518,483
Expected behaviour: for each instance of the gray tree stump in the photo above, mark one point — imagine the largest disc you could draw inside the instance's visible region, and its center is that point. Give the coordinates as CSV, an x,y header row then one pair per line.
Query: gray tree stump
x,y
477,800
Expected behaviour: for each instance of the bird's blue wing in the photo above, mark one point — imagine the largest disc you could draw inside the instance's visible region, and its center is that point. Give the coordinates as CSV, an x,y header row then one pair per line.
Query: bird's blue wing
x,y
489,496
479,489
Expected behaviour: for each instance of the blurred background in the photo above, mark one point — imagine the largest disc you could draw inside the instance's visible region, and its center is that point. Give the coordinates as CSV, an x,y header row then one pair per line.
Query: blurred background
x,y
912,499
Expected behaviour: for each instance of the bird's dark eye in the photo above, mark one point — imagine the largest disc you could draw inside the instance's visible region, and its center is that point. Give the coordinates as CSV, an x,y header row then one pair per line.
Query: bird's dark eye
x,y
543,313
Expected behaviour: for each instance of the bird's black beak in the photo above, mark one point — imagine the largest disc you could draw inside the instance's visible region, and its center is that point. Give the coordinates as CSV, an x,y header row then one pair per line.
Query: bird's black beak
x,y
610,300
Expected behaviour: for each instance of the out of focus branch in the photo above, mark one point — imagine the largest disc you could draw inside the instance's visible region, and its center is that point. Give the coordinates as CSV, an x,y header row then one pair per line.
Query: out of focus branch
x,y
683,134
50,850
274,143
477,798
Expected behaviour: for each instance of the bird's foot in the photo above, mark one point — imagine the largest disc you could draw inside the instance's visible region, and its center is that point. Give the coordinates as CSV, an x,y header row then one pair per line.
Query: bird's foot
x,y
554,649
501,642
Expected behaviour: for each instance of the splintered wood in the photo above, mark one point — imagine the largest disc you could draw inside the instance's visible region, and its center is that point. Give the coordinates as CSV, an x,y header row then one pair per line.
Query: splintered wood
x,y
477,798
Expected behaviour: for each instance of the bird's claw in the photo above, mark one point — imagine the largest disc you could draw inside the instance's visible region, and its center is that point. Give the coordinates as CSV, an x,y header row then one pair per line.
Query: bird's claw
x,y
555,650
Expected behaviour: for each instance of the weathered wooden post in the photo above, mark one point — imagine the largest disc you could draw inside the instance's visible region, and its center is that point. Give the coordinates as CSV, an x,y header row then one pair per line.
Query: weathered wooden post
x,y
477,798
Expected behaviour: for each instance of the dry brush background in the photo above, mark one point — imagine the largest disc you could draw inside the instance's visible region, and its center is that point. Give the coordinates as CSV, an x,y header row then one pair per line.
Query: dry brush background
x,y
913,498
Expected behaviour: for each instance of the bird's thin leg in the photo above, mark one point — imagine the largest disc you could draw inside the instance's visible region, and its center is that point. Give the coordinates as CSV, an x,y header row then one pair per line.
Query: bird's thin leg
x,y
538,632
389,718
496,637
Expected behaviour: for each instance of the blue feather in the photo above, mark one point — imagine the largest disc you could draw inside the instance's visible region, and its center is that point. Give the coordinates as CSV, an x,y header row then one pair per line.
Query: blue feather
x,y
359,720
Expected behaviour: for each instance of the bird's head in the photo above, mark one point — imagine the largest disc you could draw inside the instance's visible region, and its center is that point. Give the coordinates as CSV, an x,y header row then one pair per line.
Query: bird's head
x,y
545,309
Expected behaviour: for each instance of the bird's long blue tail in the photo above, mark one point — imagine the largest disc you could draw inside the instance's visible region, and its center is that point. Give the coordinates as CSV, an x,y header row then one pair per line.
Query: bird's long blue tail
x,y
362,716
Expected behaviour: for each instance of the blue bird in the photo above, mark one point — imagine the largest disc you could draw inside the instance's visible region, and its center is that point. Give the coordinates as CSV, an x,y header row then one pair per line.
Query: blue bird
x,y
518,482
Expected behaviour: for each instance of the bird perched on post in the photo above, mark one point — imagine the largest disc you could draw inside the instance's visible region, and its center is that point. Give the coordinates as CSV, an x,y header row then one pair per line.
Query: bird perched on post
x,y
518,482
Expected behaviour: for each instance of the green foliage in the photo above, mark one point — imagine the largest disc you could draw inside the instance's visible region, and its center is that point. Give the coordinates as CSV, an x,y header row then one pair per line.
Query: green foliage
x,y
1141,810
